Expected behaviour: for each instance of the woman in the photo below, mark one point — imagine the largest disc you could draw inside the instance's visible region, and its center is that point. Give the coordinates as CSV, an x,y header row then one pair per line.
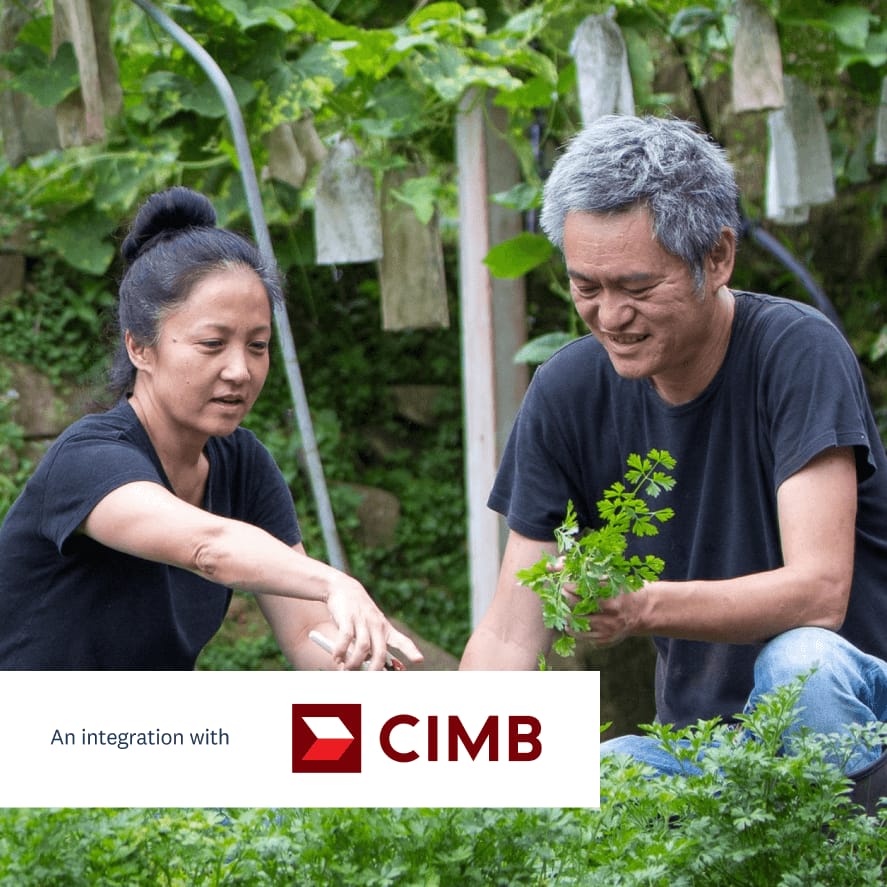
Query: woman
x,y
123,548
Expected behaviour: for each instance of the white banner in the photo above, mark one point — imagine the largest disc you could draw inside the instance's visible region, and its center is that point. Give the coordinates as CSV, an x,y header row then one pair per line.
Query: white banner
x,y
299,739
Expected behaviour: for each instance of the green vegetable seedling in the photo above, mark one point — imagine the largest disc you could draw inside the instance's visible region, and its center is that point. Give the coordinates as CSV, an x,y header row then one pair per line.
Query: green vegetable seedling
x,y
592,564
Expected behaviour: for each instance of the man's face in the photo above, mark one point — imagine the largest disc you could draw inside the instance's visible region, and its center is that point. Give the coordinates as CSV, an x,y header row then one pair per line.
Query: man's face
x,y
641,302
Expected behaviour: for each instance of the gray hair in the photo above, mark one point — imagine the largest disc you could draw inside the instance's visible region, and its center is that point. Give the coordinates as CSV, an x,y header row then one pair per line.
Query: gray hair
x,y
668,166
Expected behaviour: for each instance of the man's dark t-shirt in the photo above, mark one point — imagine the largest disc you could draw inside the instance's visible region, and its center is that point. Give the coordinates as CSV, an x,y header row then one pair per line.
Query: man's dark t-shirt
x,y
789,388
68,602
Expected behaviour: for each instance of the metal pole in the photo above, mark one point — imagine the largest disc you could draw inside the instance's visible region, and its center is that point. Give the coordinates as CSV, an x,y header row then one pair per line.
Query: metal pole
x,y
335,553
478,360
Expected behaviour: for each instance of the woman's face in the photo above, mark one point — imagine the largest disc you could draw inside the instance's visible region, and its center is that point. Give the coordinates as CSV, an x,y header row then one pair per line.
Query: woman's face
x,y
211,358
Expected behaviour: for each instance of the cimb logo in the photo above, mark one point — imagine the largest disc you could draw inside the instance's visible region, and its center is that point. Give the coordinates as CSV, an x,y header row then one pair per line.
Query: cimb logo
x,y
512,738
327,738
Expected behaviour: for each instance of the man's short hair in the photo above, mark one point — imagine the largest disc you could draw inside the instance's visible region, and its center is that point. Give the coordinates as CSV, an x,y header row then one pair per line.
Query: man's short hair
x,y
666,165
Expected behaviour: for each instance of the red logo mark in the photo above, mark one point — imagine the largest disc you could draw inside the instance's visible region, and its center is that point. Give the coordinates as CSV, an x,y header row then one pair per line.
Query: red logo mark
x,y
326,738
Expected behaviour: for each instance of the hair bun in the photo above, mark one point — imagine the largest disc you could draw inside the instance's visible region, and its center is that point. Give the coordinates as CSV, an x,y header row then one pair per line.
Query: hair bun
x,y
163,214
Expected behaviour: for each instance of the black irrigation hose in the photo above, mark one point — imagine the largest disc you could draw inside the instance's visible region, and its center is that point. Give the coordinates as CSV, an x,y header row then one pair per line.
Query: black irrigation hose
x,y
769,243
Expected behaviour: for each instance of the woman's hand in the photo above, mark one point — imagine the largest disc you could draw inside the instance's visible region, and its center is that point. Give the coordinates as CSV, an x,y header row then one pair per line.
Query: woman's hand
x,y
364,634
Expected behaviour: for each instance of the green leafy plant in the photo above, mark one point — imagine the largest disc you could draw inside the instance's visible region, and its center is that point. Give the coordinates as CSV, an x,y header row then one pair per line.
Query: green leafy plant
x,y
743,811
592,565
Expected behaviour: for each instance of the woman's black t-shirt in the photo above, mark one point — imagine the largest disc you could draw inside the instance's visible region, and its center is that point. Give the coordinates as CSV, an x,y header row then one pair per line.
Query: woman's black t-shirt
x,y
67,602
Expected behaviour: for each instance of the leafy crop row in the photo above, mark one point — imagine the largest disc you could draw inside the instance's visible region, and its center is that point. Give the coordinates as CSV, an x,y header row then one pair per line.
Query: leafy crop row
x,y
749,815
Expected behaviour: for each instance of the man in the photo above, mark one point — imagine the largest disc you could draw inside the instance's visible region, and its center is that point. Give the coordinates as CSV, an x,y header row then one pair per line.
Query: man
x,y
776,559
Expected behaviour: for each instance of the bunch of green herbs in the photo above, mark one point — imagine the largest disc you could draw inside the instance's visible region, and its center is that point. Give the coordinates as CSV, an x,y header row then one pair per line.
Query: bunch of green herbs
x,y
592,565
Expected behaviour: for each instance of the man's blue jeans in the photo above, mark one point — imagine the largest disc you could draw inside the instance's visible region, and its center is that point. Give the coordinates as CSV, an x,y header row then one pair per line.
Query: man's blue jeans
x,y
847,687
